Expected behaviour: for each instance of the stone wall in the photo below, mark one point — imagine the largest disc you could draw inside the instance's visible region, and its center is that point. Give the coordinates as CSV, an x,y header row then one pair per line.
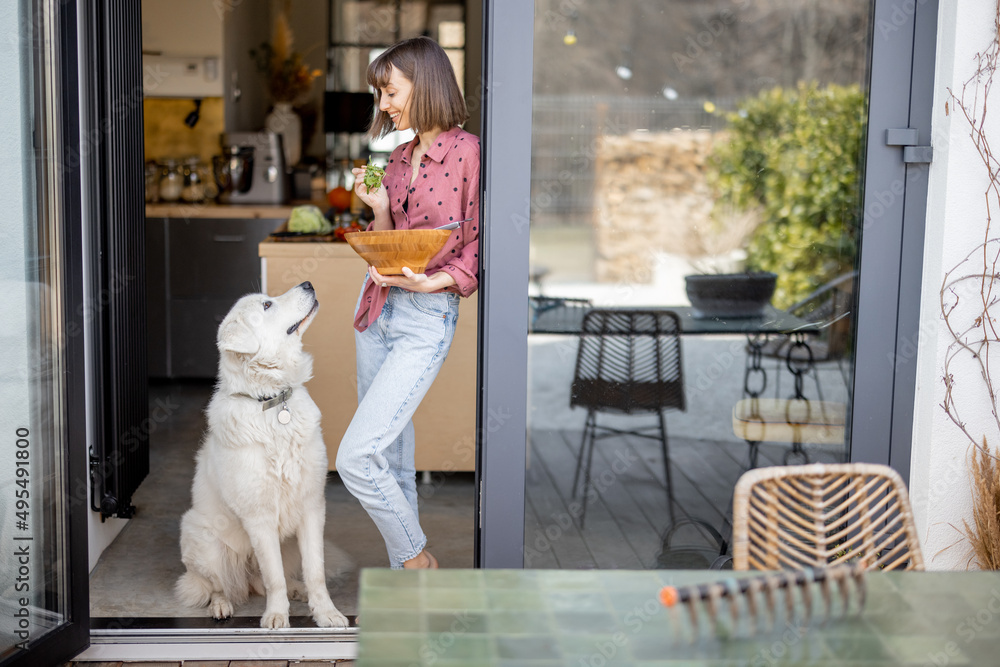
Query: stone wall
x,y
651,196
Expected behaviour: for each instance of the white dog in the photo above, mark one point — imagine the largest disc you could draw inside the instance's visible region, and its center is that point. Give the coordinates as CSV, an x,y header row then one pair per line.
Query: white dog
x,y
261,470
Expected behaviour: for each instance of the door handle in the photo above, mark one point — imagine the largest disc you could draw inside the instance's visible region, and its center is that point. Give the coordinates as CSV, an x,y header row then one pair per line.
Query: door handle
x,y
229,238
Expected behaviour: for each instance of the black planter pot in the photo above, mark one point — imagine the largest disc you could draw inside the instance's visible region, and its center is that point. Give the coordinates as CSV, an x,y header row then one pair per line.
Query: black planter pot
x,y
730,294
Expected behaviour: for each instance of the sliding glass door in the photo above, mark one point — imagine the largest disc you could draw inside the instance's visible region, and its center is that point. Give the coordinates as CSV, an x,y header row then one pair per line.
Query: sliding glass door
x,y
42,487
698,250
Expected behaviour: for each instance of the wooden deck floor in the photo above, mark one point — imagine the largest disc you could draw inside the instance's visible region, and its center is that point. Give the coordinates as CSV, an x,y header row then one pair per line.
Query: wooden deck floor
x,y
628,514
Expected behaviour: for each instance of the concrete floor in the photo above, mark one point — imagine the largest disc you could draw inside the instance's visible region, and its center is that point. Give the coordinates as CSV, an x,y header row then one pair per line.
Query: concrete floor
x,y
135,576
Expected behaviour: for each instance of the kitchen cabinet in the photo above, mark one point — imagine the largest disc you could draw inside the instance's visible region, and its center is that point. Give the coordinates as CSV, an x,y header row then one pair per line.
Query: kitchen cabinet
x,y
196,268
182,49
445,422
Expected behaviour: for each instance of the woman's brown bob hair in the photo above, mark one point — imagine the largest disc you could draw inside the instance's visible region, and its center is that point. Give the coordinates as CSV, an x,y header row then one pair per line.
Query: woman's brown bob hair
x,y
436,101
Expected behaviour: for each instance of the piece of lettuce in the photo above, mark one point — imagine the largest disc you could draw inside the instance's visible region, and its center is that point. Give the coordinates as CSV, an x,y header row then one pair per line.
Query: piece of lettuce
x,y
373,176
308,220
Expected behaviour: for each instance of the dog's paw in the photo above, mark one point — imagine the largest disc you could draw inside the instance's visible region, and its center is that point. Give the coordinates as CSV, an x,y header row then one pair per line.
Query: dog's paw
x,y
274,620
330,618
221,607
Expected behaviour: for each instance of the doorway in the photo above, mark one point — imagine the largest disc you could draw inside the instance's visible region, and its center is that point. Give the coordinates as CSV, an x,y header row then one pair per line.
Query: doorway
x,y
201,255
503,357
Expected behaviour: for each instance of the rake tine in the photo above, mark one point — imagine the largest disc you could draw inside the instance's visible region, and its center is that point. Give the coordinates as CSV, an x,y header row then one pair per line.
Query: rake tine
x,y
753,590
770,585
809,577
733,593
824,588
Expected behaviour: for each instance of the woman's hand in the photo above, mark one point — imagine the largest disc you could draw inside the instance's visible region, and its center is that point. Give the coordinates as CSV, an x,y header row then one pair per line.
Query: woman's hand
x,y
378,200
414,282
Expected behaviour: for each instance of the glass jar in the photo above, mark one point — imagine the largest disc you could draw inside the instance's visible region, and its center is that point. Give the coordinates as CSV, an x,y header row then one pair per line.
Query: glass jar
x,y
152,182
194,180
171,179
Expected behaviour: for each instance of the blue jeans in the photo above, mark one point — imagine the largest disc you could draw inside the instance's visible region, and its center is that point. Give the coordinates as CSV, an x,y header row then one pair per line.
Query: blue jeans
x,y
399,356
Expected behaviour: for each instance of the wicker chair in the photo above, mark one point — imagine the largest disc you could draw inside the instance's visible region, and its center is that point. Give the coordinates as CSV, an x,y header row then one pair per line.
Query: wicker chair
x,y
793,517
628,362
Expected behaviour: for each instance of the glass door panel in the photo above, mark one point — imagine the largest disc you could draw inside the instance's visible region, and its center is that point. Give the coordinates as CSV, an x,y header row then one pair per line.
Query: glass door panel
x,y
40,618
695,199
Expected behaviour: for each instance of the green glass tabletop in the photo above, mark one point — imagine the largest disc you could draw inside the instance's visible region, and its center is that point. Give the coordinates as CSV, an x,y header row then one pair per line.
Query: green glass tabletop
x,y
603,618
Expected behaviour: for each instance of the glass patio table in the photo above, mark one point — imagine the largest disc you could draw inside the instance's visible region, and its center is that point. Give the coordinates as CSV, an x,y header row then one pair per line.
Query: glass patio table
x,y
614,617
565,316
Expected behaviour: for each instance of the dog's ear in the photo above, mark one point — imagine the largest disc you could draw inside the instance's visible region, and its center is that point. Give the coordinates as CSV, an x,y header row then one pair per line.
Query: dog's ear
x,y
235,336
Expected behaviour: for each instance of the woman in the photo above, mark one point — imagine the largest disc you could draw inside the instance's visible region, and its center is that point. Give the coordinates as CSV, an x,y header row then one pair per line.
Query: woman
x,y
405,323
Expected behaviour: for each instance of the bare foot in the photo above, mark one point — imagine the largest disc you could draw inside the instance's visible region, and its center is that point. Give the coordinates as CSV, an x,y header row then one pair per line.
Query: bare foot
x,y
422,561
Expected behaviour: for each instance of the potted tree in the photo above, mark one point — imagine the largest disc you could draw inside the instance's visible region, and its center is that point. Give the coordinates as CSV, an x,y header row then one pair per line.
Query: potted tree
x,y
790,157
723,287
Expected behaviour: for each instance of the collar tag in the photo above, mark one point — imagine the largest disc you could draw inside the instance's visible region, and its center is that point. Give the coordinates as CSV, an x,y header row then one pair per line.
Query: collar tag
x,y
273,401
284,416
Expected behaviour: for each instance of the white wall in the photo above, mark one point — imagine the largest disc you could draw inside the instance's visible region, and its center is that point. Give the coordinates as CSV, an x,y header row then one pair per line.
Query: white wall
x,y
956,215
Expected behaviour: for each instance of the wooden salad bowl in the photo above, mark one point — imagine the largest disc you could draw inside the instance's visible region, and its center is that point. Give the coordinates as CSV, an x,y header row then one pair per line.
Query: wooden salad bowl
x,y
390,250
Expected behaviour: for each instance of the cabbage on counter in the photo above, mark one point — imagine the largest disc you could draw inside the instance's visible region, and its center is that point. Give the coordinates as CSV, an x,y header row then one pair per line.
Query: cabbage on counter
x,y
308,220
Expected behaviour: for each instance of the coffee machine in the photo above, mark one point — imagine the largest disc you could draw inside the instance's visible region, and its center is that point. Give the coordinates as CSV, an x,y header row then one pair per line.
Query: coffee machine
x,y
251,169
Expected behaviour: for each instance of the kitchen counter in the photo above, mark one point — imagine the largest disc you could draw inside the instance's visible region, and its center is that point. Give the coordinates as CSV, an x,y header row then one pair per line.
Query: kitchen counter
x,y
200,258
445,422
212,210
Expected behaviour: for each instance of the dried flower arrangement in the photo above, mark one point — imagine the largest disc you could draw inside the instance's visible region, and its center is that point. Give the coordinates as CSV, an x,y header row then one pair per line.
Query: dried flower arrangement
x,y
984,532
288,76
973,327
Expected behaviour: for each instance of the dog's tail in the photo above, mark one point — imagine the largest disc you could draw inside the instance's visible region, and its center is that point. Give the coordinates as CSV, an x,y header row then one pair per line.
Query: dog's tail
x,y
193,590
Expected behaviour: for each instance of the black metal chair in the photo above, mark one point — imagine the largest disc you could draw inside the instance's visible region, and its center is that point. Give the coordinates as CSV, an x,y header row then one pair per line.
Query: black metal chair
x,y
628,362
831,307
556,313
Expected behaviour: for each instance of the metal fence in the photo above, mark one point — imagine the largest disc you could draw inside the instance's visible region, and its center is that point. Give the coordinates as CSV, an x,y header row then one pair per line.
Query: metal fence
x,y
566,135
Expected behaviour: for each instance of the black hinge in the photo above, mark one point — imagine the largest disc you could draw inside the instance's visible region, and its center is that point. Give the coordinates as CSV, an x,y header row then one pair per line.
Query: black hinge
x,y
909,139
101,499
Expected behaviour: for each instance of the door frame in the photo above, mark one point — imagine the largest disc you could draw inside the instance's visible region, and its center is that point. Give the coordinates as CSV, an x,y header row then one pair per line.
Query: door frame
x,y
53,103
505,182
502,409
895,209
890,264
